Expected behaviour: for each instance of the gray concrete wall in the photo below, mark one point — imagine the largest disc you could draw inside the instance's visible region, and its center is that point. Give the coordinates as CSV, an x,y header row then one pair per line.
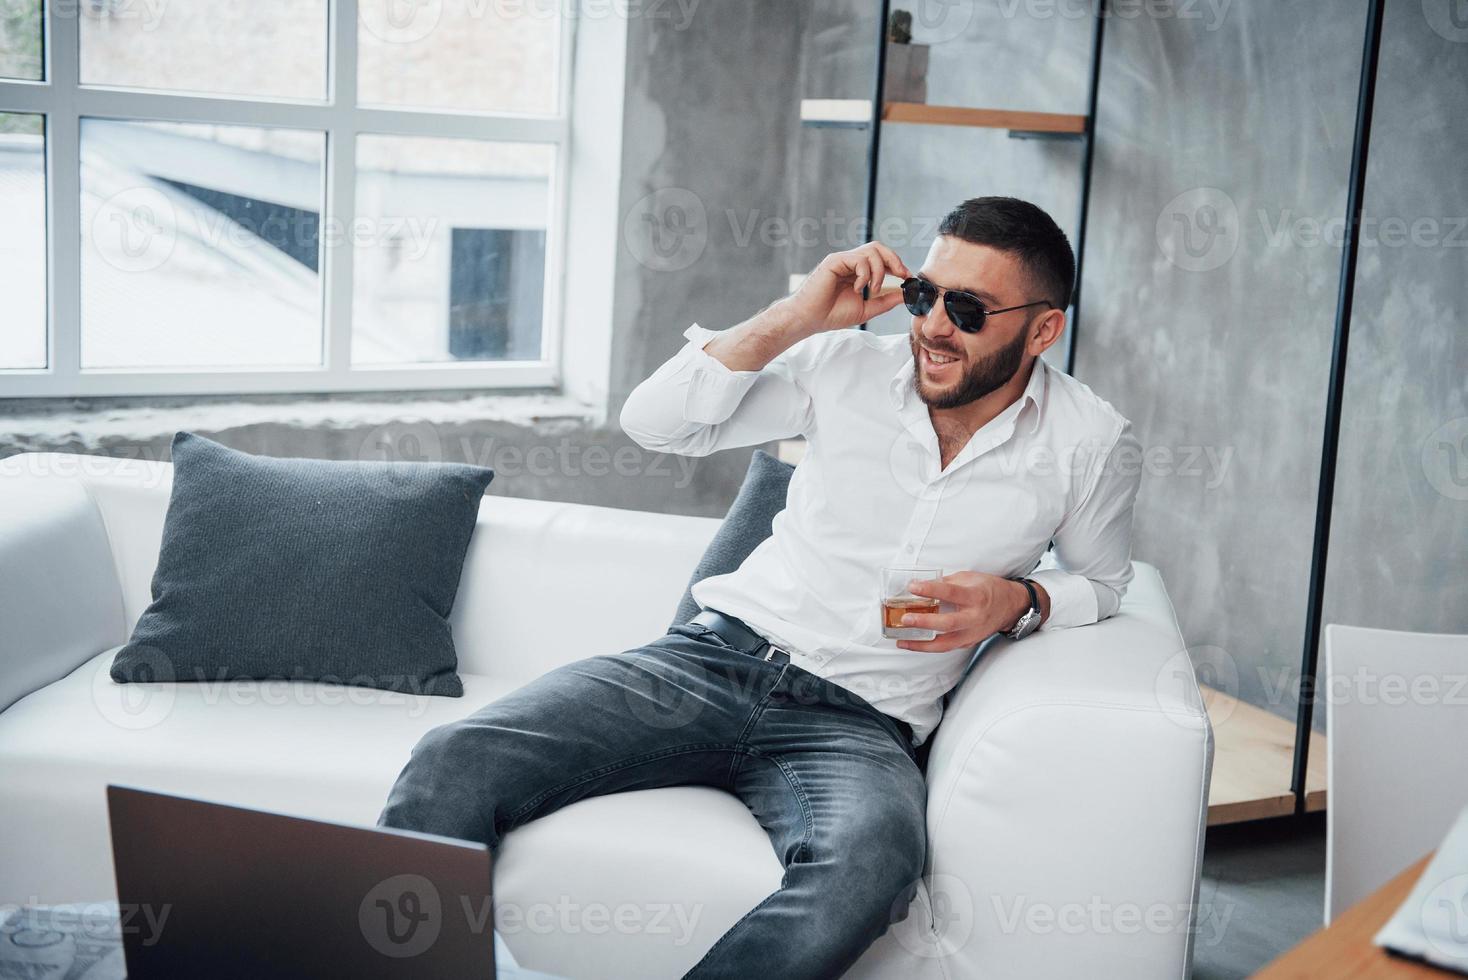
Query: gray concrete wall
x,y
711,120
1209,306
1399,534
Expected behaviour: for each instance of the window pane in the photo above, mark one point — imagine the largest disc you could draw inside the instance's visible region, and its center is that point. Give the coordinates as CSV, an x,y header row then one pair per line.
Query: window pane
x,y
200,245
450,241
20,39
459,54
22,241
270,48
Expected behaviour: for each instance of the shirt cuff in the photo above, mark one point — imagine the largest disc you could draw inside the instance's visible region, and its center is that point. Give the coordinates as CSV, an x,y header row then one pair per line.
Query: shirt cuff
x,y
1072,598
714,391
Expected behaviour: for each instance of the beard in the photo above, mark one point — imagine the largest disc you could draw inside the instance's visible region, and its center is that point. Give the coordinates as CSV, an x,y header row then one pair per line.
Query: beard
x,y
987,375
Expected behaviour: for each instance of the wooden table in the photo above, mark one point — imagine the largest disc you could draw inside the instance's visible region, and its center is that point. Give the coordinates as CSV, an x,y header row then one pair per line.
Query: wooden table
x,y
1344,951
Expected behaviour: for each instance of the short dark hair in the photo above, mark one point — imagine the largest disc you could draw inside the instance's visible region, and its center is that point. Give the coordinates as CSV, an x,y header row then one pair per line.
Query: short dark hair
x,y
1025,231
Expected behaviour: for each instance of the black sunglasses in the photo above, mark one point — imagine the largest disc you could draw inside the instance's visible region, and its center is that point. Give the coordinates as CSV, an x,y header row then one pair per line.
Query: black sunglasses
x,y
965,310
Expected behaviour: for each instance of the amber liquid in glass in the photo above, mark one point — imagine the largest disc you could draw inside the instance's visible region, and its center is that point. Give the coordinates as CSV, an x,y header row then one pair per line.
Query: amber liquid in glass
x,y
894,609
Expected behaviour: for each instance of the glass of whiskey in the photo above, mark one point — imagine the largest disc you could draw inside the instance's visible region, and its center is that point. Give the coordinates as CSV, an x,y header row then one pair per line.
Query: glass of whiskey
x,y
897,601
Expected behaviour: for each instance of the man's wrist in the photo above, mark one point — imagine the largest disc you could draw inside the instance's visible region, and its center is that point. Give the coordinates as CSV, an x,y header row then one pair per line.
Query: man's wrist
x,y
1022,603
1043,600
757,341
780,321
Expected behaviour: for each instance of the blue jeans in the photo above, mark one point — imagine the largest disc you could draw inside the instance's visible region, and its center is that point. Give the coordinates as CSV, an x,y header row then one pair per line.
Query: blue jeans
x,y
831,779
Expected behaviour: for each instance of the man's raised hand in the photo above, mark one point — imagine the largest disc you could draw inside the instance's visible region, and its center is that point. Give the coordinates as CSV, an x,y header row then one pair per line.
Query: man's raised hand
x,y
829,299
831,296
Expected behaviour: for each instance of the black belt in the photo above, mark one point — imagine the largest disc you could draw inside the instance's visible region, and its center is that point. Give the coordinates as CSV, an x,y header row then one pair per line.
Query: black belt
x,y
746,640
740,637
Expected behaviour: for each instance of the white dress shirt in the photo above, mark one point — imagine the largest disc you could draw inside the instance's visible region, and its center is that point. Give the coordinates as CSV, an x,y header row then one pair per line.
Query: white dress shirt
x,y
1059,465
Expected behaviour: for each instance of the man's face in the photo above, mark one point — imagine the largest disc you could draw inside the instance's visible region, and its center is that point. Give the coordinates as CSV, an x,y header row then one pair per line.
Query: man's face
x,y
954,368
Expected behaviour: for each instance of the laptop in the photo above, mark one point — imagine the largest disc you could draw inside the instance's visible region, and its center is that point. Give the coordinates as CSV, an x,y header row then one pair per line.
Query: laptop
x,y
240,893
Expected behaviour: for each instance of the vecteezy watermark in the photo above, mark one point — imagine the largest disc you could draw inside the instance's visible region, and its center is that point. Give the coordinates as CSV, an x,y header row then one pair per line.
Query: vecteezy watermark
x,y
1097,916
1211,670
937,21
146,700
1199,229
400,21
32,926
1286,228
137,464
1210,12
832,230
1445,918
149,13
667,230
401,916
135,230
1207,464
1370,688
1447,18
148,697
913,462
564,916
410,236
1445,459
941,920
422,441
663,694
678,12
411,21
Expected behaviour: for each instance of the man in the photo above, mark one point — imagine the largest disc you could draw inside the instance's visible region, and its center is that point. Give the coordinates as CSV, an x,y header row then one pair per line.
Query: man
x,y
954,446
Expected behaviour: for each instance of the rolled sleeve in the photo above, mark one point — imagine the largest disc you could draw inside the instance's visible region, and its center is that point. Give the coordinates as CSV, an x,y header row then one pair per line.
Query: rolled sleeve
x,y
713,391
695,405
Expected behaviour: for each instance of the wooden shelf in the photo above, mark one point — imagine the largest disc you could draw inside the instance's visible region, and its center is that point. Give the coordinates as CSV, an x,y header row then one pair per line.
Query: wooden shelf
x,y
857,114
1253,755
948,115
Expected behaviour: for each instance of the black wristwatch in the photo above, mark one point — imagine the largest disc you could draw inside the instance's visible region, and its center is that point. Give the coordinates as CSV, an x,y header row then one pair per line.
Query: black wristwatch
x,y
1030,621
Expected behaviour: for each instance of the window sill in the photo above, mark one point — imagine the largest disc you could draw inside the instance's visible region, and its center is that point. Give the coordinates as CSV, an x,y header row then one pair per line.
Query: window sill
x,y
110,425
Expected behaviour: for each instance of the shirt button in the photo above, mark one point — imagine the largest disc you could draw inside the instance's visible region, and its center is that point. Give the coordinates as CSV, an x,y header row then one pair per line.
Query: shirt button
x,y
910,549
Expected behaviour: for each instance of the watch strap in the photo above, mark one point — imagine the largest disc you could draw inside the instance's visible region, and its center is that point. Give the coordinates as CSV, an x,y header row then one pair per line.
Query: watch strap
x,y
1027,622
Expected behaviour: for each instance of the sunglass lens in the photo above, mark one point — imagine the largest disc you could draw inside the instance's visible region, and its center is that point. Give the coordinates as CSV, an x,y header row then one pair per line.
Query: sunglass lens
x,y
919,296
965,312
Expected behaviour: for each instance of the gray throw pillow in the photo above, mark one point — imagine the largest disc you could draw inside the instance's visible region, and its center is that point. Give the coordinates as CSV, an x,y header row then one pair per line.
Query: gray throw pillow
x,y
306,569
761,497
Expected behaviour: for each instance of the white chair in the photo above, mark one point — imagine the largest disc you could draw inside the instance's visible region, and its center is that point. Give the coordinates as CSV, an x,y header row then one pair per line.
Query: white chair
x,y
1396,716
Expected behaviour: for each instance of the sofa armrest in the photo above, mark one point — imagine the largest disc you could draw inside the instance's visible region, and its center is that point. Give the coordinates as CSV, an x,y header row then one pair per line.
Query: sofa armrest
x,y
1068,789
60,602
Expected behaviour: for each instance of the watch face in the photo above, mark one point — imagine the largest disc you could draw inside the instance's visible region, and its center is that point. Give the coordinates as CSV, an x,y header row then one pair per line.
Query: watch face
x,y
1026,625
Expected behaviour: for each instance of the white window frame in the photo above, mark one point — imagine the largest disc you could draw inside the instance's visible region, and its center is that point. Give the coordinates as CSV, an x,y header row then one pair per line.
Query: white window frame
x,y
64,102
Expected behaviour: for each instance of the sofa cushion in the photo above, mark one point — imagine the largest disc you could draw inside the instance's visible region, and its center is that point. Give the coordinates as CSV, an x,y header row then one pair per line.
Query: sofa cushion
x,y
307,569
749,521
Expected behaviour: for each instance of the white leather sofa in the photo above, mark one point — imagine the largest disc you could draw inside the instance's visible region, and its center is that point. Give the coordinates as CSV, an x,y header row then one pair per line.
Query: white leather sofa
x,y
1067,784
